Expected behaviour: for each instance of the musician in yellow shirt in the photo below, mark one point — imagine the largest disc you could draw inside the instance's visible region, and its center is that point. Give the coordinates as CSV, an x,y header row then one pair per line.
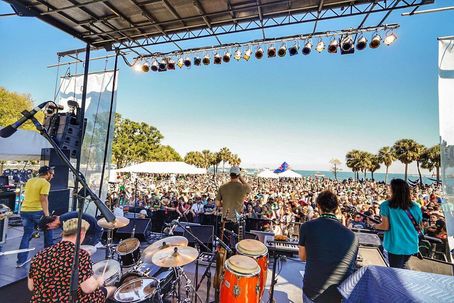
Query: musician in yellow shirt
x,y
34,207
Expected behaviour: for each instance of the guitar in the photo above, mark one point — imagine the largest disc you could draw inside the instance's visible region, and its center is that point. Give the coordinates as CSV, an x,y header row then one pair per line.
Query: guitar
x,y
220,260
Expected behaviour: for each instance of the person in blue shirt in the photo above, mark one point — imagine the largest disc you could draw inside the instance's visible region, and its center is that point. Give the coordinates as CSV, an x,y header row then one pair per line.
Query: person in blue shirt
x,y
401,238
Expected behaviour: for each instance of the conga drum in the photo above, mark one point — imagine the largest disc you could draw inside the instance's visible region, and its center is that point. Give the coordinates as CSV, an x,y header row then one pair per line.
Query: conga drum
x,y
241,281
257,250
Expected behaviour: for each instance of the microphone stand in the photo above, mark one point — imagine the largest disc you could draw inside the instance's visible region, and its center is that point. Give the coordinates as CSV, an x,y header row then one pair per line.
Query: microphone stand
x,y
80,178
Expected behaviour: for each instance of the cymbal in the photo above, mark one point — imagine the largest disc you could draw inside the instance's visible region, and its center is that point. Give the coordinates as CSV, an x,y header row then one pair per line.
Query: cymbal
x,y
118,223
175,256
148,252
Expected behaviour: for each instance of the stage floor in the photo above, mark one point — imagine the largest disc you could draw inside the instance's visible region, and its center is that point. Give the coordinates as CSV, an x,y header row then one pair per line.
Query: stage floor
x,y
287,289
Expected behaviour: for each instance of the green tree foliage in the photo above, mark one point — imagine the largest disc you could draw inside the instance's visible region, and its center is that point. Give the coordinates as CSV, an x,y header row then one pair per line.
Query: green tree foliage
x,y
194,158
335,166
387,157
430,159
353,161
374,164
234,160
407,151
12,104
224,156
139,142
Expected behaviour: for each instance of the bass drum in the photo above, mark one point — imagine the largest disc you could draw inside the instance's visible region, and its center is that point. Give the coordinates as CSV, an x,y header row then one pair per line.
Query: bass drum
x,y
257,250
241,281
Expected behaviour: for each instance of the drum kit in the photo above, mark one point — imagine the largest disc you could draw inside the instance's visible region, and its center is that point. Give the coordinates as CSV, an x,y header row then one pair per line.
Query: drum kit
x,y
148,275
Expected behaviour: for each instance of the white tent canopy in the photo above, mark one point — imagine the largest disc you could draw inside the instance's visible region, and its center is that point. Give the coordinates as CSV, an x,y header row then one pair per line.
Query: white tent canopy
x,y
163,168
267,174
22,145
289,174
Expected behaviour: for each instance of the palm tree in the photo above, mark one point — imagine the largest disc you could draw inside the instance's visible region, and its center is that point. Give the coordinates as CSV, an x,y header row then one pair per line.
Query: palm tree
x,y
374,164
365,162
406,151
419,149
431,159
335,166
194,158
234,160
224,155
207,158
352,160
387,157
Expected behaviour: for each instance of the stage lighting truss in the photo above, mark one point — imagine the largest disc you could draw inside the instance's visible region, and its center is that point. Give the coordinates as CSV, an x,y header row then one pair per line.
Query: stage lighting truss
x,y
344,41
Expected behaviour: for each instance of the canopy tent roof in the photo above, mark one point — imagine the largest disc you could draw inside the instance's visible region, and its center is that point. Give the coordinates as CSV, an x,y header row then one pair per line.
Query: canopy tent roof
x,y
267,174
289,174
23,145
103,23
180,168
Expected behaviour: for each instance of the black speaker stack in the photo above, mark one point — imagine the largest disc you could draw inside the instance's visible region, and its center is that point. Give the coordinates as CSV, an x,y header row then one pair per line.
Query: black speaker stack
x,y
66,130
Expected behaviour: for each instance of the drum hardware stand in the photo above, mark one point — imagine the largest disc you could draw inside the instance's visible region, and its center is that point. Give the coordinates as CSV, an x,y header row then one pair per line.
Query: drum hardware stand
x,y
276,257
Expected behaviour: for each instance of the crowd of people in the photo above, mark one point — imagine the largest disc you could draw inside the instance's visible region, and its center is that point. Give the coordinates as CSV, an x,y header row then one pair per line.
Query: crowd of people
x,y
284,203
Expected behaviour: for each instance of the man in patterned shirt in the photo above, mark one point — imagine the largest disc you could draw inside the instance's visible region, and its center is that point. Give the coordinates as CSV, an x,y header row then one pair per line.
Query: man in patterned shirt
x,y
50,271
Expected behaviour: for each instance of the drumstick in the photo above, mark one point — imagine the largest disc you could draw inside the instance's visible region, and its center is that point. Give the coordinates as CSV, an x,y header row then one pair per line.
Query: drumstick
x,y
104,271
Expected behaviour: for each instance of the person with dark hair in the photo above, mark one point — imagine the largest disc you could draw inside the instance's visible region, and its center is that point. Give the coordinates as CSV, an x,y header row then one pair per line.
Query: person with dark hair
x,y
34,207
401,220
329,249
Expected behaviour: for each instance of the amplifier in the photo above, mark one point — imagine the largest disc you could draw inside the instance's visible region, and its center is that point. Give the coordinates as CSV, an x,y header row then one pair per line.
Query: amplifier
x,y
142,229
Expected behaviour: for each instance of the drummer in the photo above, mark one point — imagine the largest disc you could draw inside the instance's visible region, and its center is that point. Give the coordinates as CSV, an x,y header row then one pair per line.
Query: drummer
x,y
94,233
50,271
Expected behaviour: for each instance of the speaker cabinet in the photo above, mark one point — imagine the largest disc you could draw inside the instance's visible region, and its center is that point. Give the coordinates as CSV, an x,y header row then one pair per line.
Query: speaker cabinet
x,y
61,177
142,229
59,201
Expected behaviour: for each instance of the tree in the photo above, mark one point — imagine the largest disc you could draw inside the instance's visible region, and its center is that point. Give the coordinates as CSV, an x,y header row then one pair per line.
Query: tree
x,y
234,160
12,104
374,164
387,157
406,151
365,162
207,158
164,153
335,166
431,159
224,155
419,150
194,158
353,161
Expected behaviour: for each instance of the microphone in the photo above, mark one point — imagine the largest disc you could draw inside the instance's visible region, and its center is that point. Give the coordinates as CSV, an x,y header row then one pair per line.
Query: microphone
x,y
11,129
225,246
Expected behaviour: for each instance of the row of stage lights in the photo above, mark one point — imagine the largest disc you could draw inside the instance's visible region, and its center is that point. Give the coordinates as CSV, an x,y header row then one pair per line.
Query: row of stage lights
x,y
346,45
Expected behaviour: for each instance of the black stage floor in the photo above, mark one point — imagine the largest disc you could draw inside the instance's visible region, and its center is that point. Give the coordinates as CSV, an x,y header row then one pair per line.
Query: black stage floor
x,y
13,282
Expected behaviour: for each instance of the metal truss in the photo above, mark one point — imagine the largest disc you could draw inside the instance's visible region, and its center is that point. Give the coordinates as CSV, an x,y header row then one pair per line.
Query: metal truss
x,y
317,14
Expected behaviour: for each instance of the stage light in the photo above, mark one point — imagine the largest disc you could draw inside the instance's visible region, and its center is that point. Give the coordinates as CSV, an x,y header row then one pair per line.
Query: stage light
x,y
197,61
375,42
271,52
237,55
137,66
180,62
247,54
390,39
145,67
259,53
347,44
333,45
308,48
361,44
282,50
171,64
320,46
206,60
226,57
155,66
187,62
217,59
162,66
293,50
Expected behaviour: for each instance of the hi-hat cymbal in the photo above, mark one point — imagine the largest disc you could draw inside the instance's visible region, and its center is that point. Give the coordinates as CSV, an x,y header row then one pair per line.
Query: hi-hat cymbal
x,y
118,223
175,256
148,252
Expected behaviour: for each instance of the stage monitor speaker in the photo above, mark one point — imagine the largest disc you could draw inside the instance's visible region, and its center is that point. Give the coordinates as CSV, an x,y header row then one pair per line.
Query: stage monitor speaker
x,y
204,233
370,256
431,266
61,177
9,199
142,230
59,201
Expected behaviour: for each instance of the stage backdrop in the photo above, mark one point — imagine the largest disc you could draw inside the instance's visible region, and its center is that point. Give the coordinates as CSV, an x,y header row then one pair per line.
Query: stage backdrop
x,y
99,92
446,109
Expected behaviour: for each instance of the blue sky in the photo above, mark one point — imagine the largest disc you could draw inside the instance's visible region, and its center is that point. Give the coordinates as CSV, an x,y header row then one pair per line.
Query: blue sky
x,y
304,110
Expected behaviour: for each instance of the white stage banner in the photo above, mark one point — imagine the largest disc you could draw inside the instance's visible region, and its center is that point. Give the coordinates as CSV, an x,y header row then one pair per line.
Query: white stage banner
x,y
97,109
446,115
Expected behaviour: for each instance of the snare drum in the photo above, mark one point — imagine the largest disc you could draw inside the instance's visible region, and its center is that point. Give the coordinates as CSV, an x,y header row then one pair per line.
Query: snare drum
x,y
138,290
129,252
112,273
241,281
257,250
